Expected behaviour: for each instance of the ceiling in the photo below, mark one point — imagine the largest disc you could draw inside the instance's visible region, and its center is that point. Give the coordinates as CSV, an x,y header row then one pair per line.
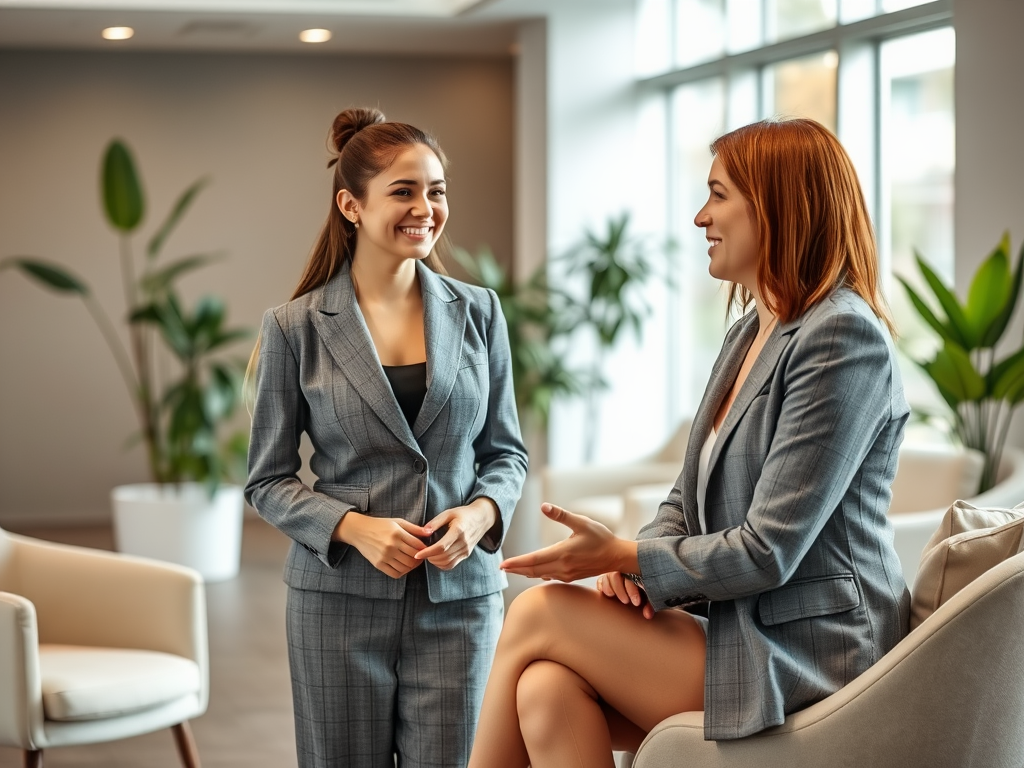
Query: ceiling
x,y
413,27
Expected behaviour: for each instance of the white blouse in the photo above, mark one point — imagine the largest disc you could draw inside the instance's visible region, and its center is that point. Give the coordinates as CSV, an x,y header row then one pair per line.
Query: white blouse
x,y
702,477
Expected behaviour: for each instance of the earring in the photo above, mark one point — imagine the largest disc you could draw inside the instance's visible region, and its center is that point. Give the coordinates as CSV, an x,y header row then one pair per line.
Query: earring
x,y
356,223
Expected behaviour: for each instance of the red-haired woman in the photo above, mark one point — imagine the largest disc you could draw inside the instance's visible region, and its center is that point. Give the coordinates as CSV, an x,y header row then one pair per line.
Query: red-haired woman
x,y
777,523
401,378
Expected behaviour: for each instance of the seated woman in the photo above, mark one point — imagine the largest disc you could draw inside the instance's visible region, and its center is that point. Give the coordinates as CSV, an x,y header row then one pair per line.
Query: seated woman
x,y
777,523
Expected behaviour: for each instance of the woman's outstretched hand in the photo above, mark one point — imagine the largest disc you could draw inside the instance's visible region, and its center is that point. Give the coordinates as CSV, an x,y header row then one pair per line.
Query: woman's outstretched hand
x,y
590,551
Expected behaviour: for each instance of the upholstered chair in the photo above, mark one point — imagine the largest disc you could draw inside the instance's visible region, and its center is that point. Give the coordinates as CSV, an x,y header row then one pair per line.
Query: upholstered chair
x,y
96,646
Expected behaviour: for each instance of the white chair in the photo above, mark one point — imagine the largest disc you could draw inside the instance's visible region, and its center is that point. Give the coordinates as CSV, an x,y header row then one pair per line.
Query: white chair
x,y
598,491
951,694
96,646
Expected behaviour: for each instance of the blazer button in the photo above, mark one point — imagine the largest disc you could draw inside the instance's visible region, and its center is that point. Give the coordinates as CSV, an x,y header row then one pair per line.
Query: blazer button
x,y
418,467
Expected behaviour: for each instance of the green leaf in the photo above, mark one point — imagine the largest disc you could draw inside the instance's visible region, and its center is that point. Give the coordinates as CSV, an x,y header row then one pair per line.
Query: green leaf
x,y
50,275
926,312
122,193
223,338
219,396
1000,323
952,371
959,328
156,281
182,204
989,293
1004,377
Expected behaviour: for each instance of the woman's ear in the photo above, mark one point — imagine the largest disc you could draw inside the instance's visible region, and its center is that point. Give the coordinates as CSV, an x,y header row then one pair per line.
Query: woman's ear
x,y
348,205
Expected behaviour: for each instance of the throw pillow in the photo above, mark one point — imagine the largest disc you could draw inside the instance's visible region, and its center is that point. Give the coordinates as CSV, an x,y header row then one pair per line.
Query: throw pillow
x,y
968,542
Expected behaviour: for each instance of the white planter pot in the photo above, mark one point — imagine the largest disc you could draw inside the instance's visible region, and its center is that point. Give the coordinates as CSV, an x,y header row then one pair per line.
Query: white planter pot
x,y
181,524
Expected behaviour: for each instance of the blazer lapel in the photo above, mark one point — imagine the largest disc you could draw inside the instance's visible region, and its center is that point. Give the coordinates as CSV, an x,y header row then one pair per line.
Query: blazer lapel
x,y
341,327
722,377
444,320
762,370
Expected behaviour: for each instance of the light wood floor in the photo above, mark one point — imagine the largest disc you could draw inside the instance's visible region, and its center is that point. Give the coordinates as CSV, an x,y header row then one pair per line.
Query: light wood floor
x,y
249,721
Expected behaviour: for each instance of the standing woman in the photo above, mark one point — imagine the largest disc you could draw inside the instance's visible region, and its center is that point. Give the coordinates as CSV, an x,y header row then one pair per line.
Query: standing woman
x,y
401,379
777,522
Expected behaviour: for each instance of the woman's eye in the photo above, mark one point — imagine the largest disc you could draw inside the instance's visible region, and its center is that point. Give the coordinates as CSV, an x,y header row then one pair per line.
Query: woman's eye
x,y
402,192
438,192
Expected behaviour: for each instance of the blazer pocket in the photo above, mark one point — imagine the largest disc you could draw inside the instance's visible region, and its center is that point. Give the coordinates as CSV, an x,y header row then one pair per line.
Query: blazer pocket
x,y
356,495
473,359
807,598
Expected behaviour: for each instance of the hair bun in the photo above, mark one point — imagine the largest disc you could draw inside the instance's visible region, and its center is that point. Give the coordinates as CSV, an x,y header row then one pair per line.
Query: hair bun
x,y
348,123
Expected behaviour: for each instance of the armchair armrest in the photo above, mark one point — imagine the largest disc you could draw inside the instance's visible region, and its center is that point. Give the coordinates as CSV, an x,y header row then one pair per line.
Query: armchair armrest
x,y
90,597
561,485
19,669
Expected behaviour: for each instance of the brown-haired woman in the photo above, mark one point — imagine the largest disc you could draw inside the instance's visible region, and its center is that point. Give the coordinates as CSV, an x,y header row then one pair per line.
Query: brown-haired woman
x,y
776,525
401,378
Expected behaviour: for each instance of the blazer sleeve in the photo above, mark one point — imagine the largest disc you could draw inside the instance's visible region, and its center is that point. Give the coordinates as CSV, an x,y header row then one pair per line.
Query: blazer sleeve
x,y
837,396
500,453
279,417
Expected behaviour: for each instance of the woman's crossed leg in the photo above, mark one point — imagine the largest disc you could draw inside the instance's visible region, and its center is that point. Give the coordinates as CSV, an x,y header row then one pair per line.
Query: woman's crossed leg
x,y
577,674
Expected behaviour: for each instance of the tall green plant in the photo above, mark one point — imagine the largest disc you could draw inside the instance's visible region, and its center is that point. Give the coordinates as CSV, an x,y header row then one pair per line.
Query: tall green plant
x,y
179,416
614,265
606,271
981,390
535,324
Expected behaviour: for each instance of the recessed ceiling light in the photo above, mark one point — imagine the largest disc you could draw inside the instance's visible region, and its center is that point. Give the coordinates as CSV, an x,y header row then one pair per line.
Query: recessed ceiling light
x,y
118,33
315,35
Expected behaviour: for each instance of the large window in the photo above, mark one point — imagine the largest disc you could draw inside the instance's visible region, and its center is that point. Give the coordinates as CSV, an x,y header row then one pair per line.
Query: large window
x,y
877,72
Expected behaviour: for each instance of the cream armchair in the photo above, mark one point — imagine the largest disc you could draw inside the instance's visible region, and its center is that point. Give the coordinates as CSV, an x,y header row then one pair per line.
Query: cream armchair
x,y
96,646
951,694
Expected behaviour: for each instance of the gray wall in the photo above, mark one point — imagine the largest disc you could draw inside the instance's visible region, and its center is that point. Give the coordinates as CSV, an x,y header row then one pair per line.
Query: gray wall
x,y
257,126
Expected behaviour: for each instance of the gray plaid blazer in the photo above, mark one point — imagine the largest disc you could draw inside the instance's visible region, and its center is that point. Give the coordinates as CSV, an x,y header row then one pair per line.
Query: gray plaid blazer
x,y
805,589
319,373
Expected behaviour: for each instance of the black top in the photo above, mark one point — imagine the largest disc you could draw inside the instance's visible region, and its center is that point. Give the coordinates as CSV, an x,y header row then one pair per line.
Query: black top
x,y
409,383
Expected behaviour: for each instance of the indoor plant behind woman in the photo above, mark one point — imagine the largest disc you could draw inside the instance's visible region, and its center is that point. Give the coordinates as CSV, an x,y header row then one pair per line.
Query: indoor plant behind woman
x,y
186,514
401,377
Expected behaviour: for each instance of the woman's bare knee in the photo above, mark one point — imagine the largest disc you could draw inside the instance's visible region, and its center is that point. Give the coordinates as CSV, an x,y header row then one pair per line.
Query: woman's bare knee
x,y
542,694
532,616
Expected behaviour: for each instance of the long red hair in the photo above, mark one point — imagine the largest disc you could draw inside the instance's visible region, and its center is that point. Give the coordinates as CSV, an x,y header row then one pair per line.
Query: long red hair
x,y
814,231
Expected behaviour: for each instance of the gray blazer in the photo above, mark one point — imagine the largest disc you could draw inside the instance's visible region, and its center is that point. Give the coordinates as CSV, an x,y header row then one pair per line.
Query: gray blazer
x,y
318,373
805,589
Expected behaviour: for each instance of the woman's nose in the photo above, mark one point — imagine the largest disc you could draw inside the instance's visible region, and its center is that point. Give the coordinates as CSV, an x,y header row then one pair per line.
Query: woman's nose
x,y
702,219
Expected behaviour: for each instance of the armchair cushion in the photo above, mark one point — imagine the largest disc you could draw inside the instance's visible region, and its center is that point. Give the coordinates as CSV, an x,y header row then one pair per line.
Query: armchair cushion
x,y
968,542
86,683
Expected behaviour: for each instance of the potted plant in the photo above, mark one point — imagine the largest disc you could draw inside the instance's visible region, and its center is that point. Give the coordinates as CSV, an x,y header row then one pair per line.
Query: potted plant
x,y
544,320
186,514
981,390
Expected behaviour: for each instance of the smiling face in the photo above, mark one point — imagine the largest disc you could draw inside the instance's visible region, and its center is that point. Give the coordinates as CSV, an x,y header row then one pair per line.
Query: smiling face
x,y
728,222
404,210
